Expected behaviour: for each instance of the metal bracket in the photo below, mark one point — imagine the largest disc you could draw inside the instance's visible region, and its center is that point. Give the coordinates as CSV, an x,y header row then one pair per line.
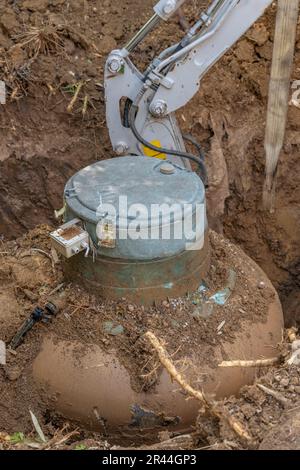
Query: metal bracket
x,y
166,8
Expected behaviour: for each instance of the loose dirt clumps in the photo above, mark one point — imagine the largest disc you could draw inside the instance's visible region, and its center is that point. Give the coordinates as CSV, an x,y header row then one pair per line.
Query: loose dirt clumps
x,y
265,409
31,277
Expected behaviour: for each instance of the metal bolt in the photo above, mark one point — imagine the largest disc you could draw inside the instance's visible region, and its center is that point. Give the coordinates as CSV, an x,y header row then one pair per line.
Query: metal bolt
x,y
115,64
169,6
159,108
167,169
121,148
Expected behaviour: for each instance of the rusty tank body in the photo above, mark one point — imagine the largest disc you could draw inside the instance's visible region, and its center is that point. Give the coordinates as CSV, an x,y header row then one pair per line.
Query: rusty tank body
x,y
88,383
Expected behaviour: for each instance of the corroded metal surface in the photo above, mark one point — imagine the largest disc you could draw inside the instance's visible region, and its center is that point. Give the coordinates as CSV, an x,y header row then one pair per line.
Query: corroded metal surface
x,y
103,399
141,282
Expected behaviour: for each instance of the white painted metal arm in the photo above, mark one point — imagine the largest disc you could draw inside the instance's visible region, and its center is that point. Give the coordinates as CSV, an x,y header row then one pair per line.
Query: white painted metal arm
x,y
187,66
174,77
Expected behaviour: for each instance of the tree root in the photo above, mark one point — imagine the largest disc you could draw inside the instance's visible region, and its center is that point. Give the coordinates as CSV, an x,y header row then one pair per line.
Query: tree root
x,y
211,406
258,363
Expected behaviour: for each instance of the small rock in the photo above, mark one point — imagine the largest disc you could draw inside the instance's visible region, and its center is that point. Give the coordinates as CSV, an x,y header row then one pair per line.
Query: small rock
x,y
13,373
297,389
130,308
285,382
166,304
261,285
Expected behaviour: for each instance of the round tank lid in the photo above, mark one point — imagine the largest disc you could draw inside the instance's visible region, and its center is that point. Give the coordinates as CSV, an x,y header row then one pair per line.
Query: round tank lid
x,y
138,180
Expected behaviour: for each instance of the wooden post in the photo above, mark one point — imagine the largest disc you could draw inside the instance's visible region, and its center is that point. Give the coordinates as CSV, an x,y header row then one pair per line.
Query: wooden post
x,y
283,55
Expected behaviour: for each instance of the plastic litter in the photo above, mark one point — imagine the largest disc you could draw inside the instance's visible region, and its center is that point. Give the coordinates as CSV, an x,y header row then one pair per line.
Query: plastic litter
x,y
205,305
112,330
221,297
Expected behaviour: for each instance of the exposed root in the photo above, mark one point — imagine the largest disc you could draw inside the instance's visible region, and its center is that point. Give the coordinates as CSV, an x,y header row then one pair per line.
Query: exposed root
x,y
60,439
85,105
183,442
211,406
258,363
75,97
280,398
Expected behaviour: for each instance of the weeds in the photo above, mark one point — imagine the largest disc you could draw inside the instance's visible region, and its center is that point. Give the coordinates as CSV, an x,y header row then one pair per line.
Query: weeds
x,y
34,41
17,438
46,40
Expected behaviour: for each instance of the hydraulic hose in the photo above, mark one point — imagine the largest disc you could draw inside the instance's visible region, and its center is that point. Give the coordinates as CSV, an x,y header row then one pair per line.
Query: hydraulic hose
x,y
193,141
177,153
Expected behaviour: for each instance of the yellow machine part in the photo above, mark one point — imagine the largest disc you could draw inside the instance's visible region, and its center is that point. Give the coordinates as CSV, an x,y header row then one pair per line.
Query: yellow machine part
x,y
152,153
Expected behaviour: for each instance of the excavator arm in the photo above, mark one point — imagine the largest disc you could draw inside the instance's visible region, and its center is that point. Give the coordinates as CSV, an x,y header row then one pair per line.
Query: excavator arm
x,y
141,107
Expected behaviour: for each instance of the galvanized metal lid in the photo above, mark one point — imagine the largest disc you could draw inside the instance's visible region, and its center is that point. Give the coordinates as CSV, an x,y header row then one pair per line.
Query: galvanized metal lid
x,y
132,204
142,180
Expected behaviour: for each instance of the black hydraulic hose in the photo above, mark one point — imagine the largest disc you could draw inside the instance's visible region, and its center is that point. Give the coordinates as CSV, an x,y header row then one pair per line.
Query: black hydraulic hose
x,y
177,153
127,107
196,144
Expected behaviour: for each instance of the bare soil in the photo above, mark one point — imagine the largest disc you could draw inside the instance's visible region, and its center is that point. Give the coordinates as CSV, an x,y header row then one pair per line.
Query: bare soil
x,y
47,48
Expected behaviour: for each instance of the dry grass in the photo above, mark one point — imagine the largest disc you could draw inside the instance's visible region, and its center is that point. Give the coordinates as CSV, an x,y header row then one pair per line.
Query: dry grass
x,y
35,41
44,40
